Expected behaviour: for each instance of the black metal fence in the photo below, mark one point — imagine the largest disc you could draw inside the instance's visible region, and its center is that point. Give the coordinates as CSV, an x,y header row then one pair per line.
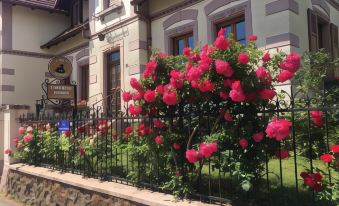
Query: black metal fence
x,y
99,147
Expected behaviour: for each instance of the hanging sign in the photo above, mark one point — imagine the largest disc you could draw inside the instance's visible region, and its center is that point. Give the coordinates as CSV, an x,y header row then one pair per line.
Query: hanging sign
x,y
60,68
63,125
55,91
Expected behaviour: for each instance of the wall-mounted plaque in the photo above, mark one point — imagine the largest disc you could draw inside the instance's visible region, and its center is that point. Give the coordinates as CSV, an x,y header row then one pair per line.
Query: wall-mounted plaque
x,y
55,91
60,67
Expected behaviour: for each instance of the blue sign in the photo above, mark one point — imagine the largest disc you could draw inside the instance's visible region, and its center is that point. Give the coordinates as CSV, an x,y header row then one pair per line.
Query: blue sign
x,y
63,125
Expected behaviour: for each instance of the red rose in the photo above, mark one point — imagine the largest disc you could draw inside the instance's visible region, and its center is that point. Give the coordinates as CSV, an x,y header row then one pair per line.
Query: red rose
x,y
335,148
327,158
126,96
158,124
149,96
317,117
135,84
206,150
237,94
266,57
176,146
187,51
8,152
221,43
278,129
243,143
284,76
243,58
252,38
261,73
206,86
228,117
159,140
224,68
257,137
21,130
267,94
170,98
128,130
150,67
282,154
134,110
191,156
82,150
67,133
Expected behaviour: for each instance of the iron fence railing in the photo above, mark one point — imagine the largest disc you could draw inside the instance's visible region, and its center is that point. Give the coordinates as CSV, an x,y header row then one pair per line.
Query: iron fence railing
x,y
107,154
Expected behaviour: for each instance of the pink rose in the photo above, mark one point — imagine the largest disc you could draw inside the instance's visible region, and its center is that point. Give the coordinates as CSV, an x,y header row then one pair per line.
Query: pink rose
x,y
258,136
21,130
149,96
206,86
243,143
28,138
206,150
187,51
159,140
176,146
252,38
267,94
237,94
135,84
8,152
261,73
126,96
224,68
191,156
278,129
243,58
134,110
221,43
170,98
284,76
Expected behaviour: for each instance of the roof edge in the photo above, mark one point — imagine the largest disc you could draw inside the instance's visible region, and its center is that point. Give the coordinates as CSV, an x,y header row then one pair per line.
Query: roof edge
x,y
34,6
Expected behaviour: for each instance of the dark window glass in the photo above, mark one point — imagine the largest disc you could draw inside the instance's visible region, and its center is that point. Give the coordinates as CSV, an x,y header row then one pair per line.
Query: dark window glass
x,y
114,82
180,42
76,12
235,26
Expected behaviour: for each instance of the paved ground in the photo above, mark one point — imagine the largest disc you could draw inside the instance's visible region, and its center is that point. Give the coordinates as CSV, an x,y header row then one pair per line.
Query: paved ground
x,y
4,201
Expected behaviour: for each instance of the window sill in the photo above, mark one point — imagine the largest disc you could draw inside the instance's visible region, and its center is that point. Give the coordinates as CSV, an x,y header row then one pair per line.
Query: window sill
x,y
109,10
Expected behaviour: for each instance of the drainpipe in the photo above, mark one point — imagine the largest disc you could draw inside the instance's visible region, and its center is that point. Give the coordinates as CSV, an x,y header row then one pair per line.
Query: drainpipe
x,y
147,20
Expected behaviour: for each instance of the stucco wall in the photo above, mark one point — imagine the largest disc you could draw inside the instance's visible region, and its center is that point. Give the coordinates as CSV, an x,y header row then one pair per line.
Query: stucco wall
x,y
33,28
128,37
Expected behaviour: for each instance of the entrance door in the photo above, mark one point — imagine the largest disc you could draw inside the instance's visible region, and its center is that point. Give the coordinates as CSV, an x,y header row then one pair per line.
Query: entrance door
x,y
84,82
113,82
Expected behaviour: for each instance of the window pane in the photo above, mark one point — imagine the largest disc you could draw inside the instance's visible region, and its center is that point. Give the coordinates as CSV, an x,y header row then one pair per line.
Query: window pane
x,y
228,30
191,42
241,34
242,41
115,56
181,46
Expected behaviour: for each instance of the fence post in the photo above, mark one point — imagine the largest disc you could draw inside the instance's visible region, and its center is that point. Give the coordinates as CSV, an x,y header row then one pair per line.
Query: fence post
x,y
10,115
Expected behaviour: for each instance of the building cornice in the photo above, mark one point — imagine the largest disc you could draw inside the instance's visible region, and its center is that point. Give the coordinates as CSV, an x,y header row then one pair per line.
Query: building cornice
x,y
174,8
334,3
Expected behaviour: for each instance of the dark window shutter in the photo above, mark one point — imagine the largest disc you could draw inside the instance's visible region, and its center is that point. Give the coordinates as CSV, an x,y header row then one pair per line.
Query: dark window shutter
x,y
313,30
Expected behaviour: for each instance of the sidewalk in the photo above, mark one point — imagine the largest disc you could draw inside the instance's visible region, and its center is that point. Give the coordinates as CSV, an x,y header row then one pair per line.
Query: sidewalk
x,y
5,201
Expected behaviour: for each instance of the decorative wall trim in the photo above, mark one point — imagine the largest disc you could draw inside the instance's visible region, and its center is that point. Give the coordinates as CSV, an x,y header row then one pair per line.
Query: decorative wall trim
x,y
174,8
27,54
334,3
137,44
7,88
6,71
70,58
213,19
81,54
6,29
136,69
93,59
323,5
215,4
282,40
188,14
83,62
169,34
320,12
282,5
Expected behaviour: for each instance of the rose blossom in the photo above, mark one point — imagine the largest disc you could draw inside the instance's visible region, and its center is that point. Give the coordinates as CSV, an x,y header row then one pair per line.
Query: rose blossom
x,y
266,57
278,129
82,150
237,94
335,148
150,67
284,76
149,96
170,98
176,146
186,51
257,137
228,117
223,95
126,96
317,117
224,68
137,96
21,130
243,143
29,130
282,154
67,133
261,73
267,94
134,110
207,150
158,124
252,38
191,156
135,84
159,140
327,158
8,152
28,138
221,42
128,130
243,58
206,86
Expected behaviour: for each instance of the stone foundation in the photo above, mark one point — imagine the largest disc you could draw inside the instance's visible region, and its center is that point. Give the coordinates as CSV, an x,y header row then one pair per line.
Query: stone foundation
x,y
36,191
